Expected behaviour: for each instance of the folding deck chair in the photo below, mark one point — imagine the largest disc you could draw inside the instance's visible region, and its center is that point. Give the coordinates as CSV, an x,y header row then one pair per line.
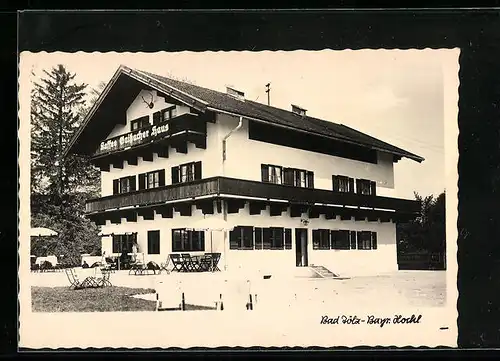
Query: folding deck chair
x,y
75,283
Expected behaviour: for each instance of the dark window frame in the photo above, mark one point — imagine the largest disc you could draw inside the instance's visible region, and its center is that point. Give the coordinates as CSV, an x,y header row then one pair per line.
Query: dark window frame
x,y
321,239
168,111
347,185
193,172
141,123
119,240
239,236
188,237
341,240
154,241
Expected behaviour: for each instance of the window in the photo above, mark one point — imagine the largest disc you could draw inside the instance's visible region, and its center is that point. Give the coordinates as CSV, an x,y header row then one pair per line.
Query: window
x,y
186,172
298,178
277,238
153,242
123,242
258,234
140,123
367,240
124,185
271,173
353,239
274,238
343,184
169,113
364,186
321,239
187,241
151,180
241,238
341,240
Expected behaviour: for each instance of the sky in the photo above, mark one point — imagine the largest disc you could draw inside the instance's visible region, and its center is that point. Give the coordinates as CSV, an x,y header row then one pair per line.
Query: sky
x,y
397,96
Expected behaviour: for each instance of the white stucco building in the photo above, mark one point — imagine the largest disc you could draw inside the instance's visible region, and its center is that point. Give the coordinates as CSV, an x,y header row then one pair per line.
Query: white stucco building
x,y
297,191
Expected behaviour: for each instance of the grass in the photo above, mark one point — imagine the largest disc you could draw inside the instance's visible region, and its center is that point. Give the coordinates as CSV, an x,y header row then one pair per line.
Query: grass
x,y
107,299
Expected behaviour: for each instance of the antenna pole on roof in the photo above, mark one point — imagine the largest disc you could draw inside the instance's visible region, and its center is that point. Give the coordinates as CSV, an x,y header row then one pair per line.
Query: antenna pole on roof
x,y
268,91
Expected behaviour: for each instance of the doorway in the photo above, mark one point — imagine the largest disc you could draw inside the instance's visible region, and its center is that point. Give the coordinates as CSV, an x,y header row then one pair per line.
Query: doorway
x,y
301,247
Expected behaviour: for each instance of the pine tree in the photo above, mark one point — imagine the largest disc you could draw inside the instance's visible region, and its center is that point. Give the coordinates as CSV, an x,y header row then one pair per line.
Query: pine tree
x,y
60,184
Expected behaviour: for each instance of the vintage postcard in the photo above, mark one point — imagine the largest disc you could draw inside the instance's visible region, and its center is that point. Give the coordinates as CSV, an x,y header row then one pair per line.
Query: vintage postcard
x,y
205,199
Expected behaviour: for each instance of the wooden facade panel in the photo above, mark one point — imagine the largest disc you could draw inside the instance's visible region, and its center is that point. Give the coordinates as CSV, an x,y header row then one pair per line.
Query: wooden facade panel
x,y
299,198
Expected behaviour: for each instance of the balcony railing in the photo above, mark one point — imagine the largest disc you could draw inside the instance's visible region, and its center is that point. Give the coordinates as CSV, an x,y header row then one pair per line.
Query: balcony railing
x,y
153,133
221,186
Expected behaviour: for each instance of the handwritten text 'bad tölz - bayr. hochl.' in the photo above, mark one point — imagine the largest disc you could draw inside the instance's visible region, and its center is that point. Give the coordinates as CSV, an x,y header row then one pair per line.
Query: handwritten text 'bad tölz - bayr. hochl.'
x,y
370,320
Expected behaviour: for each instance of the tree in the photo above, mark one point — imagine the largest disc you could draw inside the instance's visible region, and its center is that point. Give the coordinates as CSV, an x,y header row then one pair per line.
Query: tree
x,y
60,184
427,233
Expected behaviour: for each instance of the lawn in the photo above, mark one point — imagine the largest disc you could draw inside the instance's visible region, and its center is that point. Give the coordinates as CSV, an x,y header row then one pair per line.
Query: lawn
x,y
107,299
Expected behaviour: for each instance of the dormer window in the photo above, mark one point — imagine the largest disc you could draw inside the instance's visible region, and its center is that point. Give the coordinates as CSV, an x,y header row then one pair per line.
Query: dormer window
x,y
235,93
298,110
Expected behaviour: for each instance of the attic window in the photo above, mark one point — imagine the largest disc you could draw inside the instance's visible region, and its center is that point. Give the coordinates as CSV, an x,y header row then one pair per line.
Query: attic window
x,y
298,110
235,93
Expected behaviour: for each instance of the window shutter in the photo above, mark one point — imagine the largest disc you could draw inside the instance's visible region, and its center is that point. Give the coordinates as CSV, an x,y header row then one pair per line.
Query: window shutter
x,y
333,239
234,239
116,244
359,234
266,238
247,237
161,177
287,176
373,188
315,234
310,179
116,185
258,238
335,181
175,175
157,117
265,172
351,185
132,183
374,240
197,170
358,186
353,239
142,181
288,238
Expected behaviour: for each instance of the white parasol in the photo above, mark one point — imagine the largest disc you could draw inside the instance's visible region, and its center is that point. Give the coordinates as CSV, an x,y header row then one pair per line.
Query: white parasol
x,y
42,232
211,224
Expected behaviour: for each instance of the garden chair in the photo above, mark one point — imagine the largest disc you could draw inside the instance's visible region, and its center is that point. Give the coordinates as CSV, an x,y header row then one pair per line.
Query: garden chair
x,y
215,261
177,263
104,280
164,266
75,283
191,264
205,262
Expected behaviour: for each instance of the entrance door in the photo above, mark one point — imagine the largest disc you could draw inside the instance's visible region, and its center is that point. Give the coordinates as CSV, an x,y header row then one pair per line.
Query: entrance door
x,y
301,247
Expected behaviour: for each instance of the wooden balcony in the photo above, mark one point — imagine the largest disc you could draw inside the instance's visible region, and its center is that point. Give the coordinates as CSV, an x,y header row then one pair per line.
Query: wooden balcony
x,y
180,126
222,187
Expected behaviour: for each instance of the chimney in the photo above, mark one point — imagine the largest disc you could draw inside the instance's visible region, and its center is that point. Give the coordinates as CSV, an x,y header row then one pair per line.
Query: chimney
x,y
298,110
235,93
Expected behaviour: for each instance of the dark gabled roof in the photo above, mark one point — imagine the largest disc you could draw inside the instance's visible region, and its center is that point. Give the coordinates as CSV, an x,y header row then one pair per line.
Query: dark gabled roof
x,y
207,98
226,102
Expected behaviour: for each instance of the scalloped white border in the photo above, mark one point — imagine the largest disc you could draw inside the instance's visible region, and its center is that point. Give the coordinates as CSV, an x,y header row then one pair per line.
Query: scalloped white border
x,y
82,330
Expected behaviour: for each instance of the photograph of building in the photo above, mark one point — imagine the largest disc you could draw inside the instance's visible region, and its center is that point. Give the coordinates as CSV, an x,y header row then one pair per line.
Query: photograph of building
x,y
187,169
264,190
